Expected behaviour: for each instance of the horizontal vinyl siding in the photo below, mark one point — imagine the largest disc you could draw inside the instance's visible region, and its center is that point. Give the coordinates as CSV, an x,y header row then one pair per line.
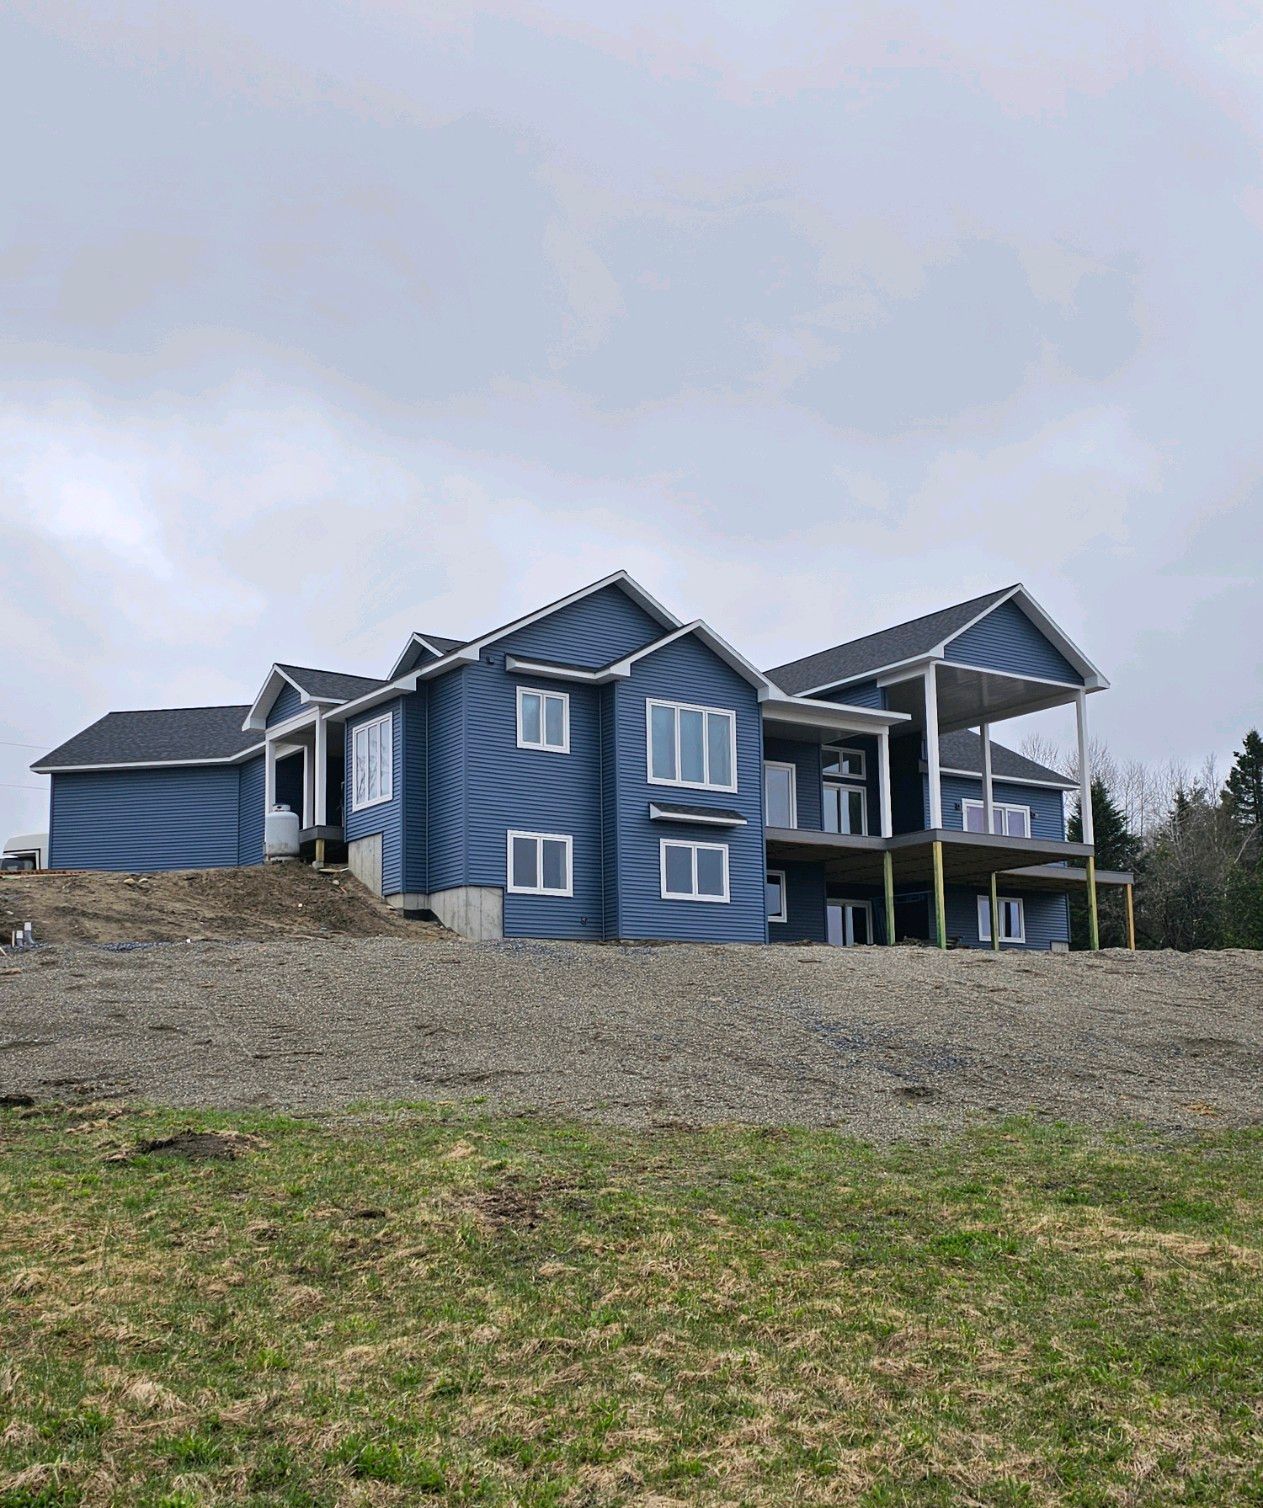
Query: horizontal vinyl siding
x,y
288,701
609,814
865,694
1047,820
387,816
805,889
1047,918
1006,639
806,761
416,879
908,790
531,790
179,818
591,632
250,797
687,671
445,829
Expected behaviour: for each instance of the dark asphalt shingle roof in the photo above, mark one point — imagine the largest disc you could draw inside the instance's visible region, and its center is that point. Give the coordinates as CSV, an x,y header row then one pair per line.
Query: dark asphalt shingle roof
x,y
162,735
963,751
889,646
330,683
441,642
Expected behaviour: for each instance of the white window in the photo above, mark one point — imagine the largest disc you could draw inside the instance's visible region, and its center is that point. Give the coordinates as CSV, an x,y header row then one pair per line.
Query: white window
x,y
1012,919
780,799
844,764
777,896
1008,821
373,764
539,864
691,746
845,808
694,871
543,720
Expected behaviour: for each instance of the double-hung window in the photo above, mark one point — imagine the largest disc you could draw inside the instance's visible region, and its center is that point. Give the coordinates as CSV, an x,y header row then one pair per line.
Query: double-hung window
x,y
694,871
777,896
692,746
844,796
780,805
1012,919
540,864
543,720
1007,820
372,761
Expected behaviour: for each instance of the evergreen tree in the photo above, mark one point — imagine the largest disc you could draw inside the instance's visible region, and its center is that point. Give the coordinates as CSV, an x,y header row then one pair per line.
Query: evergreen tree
x,y
1116,848
1243,790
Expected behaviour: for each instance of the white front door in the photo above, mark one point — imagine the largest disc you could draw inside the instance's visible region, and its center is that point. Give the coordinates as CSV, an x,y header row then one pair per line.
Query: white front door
x,y
849,923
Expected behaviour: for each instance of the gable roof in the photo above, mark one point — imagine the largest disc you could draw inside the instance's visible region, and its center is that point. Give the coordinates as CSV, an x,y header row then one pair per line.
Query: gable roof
x,y
326,686
163,735
923,638
329,685
621,668
889,646
962,750
433,644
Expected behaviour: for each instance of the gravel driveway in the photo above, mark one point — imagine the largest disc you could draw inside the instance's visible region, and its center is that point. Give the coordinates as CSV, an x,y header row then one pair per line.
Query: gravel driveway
x,y
882,1041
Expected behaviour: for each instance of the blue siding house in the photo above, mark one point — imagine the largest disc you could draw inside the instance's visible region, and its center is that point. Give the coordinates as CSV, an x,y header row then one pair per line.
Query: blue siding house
x,y
599,769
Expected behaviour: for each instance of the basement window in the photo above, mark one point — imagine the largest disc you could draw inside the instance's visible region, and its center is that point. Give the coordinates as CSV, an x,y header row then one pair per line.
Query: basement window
x,y
1012,919
539,863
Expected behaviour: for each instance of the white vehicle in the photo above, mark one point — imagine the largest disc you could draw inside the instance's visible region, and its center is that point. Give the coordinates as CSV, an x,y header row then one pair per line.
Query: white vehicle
x,y
25,851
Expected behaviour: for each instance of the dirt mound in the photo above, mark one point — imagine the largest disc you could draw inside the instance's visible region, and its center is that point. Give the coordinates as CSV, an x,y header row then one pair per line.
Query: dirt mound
x,y
263,902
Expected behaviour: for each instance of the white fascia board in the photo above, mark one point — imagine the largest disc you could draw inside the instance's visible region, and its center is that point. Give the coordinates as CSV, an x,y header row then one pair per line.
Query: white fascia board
x,y
1048,785
517,666
882,674
842,717
147,764
1051,630
403,654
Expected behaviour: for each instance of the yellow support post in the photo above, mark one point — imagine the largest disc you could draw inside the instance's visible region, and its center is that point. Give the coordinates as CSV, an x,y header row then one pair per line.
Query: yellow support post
x,y
940,900
888,875
1131,918
320,853
995,913
1094,924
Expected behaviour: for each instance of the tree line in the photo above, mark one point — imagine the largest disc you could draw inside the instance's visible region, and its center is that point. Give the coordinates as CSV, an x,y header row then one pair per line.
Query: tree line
x,y
1194,843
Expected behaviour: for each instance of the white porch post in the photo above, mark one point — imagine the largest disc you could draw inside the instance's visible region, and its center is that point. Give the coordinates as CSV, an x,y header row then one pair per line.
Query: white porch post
x,y
321,815
307,785
988,800
931,747
269,775
883,770
1085,773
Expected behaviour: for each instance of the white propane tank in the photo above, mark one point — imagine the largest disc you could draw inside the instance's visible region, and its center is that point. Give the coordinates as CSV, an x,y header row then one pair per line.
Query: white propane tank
x,y
280,834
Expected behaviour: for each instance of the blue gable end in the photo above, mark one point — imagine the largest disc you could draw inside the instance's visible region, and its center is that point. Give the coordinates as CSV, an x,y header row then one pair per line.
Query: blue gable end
x,y
687,671
591,632
145,819
289,700
1007,640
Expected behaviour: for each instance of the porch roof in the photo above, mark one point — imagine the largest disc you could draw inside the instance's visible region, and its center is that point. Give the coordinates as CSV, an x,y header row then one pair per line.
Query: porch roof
x,y
968,858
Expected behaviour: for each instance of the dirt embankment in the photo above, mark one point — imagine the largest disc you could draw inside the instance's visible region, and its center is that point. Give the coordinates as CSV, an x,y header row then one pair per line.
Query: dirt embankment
x,y
885,1042
256,904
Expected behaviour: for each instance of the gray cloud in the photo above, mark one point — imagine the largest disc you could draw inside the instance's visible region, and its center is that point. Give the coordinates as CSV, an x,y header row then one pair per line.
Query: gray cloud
x,y
322,323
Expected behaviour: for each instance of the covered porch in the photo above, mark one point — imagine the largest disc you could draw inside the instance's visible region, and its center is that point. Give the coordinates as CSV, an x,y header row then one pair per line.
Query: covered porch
x,y
304,770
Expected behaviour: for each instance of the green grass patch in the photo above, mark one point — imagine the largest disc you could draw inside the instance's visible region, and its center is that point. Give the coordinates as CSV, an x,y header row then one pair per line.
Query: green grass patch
x,y
424,1305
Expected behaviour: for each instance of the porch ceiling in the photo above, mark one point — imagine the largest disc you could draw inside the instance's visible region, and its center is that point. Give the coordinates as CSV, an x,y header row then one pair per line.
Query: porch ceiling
x,y
968,697
968,858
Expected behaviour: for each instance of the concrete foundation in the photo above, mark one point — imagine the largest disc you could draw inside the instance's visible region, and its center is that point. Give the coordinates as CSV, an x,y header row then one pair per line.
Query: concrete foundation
x,y
475,911
364,860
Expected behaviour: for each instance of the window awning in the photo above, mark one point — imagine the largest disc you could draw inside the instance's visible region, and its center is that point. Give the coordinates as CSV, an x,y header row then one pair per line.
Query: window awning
x,y
707,816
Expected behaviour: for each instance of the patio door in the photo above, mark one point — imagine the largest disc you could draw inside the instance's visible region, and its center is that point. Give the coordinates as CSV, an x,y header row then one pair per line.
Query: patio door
x,y
849,924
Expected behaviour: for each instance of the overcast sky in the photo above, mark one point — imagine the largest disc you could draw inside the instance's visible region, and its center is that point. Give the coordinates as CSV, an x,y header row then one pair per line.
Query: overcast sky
x,y
322,323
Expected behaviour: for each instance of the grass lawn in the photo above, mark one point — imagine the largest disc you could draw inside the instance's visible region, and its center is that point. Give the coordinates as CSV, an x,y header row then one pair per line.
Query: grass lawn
x,y
421,1305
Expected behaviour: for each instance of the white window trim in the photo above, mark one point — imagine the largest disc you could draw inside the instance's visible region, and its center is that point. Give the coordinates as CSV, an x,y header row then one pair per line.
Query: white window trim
x,y
681,895
386,795
780,764
538,839
542,747
677,708
862,792
861,755
783,914
984,918
970,803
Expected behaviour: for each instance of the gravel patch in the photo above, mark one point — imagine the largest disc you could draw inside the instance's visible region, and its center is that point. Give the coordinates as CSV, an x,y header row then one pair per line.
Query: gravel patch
x,y
883,1042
